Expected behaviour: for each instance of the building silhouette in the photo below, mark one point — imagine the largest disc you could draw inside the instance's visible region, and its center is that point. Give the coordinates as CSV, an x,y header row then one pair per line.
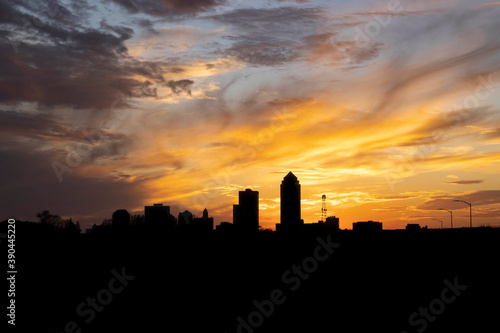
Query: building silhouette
x,y
413,227
225,227
159,215
235,213
367,226
203,224
332,222
290,202
184,219
121,218
247,211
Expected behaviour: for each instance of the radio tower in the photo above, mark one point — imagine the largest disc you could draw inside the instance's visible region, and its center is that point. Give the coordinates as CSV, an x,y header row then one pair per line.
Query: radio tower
x,y
323,208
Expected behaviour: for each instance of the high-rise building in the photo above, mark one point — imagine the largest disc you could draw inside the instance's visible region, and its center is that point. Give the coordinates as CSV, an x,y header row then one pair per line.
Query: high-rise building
x,y
235,213
159,215
290,201
247,211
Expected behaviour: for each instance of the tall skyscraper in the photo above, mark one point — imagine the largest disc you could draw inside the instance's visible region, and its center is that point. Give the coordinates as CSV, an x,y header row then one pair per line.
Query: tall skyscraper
x,y
290,201
247,218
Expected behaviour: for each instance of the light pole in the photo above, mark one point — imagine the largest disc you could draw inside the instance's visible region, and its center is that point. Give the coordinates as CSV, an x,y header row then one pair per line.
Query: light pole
x,y
439,221
470,210
451,215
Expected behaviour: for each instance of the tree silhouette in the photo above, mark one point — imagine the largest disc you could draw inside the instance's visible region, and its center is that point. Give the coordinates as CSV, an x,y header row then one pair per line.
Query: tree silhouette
x,y
53,220
137,219
106,222
71,227
46,217
57,223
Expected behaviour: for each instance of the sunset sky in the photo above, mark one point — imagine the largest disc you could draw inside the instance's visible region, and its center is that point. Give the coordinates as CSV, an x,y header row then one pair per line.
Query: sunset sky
x,y
390,108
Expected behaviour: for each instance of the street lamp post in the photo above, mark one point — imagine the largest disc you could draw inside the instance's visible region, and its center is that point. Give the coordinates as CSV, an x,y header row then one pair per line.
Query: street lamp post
x,y
439,221
470,210
451,215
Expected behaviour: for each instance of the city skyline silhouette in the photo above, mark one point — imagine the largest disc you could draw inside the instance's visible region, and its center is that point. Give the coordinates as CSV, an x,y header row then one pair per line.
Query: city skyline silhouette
x,y
238,279
245,214
247,167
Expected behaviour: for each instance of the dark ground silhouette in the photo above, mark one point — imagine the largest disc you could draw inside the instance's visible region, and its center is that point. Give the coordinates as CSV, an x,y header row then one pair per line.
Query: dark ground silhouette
x,y
202,282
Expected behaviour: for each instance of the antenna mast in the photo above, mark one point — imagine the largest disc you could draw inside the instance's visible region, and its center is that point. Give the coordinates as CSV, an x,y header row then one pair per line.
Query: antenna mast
x,y
323,208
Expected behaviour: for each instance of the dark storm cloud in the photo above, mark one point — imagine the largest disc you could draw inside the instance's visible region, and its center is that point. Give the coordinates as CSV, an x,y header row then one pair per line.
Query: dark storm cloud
x,y
268,37
274,36
59,65
164,7
7,13
33,187
329,47
147,25
125,176
286,21
319,40
15,122
47,130
67,77
266,53
39,12
37,127
180,86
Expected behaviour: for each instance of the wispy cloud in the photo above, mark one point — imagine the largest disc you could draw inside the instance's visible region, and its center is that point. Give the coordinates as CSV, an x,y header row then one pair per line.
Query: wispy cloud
x,y
476,198
465,182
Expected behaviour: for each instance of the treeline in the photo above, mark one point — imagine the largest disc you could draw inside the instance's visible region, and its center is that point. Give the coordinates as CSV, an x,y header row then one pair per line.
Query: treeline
x,y
56,223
